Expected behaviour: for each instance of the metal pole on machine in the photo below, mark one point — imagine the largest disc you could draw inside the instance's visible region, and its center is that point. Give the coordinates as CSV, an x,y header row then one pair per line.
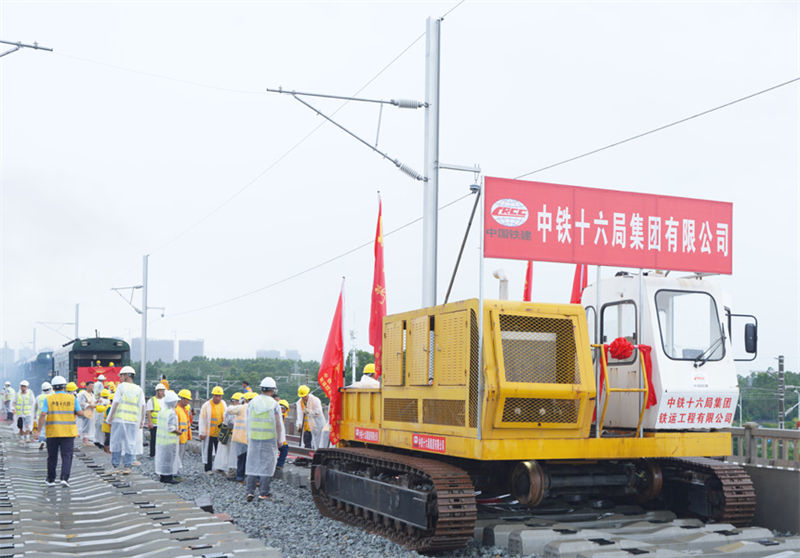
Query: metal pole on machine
x,y
431,170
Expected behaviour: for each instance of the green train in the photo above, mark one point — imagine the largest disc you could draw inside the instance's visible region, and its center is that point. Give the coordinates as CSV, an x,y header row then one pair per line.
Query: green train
x,y
82,360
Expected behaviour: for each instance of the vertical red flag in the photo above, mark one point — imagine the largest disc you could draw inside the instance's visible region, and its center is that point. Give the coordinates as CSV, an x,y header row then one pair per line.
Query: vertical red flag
x,y
579,283
526,294
331,370
378,308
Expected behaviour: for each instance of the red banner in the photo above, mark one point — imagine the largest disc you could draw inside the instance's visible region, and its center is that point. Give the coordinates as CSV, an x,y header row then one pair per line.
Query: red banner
x,y
86,373
378,305
551,222
331,371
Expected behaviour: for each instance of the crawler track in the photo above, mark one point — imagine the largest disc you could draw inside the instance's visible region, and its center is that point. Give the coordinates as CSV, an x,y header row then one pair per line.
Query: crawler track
x,y
714,490
450,507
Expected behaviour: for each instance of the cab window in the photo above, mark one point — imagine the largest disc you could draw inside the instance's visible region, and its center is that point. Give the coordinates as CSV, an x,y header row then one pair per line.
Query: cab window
x,y
618,319
690,326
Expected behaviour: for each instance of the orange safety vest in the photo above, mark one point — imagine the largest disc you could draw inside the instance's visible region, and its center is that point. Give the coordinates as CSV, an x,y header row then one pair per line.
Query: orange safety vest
x,y
183,424
60,421
217,411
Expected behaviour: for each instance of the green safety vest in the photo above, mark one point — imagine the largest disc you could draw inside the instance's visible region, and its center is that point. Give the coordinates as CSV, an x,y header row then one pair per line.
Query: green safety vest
x,y
261,426
156,409
24,404
128,408
163,436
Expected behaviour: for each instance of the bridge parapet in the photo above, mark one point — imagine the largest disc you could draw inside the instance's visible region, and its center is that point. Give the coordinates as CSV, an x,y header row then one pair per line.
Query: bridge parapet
x,y
765,447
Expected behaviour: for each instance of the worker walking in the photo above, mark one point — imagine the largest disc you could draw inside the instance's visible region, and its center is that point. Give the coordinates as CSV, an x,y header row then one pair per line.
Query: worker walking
x,y
58,417
183,410
8,400
225,460
98,386
87,403
101,404
23,410
283,449
47,389
264,435
239,436
153,407
126,418
211,415
167,439
310,420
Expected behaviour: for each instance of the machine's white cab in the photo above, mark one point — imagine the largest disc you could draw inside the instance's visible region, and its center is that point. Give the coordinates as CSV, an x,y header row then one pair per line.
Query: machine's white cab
x,y
688,326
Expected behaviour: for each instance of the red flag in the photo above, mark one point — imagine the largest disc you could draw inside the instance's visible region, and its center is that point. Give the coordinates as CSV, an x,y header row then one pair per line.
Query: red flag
x,y
331,370
526,294
378,308
579,283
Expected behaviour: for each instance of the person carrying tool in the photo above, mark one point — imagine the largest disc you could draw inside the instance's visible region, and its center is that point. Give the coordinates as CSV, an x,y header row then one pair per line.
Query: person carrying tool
x,y
151,412
47,389
211,415
126,418
58,417
183,410
264,435
167,460
87,403
309,418
23,410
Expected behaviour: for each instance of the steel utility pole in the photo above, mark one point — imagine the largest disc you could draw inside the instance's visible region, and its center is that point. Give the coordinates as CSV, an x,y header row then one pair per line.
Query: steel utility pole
x,y
143,370
781,392
77,306
431,196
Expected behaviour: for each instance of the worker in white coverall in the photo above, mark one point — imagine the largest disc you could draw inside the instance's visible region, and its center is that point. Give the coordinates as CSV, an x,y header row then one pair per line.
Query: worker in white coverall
x,y
8,400
23,411
126,418
309,418
101,402
47,389
264,435
168,434
212,413
87,403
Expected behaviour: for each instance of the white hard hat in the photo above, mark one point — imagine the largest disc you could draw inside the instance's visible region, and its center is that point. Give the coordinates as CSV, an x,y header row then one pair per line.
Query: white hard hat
x,y
101,377
59,381
268,383
46,386
161,386
128,370
171,396
24,383
8,383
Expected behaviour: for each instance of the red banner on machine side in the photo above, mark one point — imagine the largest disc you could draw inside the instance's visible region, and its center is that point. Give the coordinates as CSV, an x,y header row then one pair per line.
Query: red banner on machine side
x,y
552,222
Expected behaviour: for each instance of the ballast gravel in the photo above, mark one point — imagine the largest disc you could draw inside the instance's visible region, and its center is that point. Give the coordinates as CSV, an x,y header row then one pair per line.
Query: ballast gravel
x,y
290,520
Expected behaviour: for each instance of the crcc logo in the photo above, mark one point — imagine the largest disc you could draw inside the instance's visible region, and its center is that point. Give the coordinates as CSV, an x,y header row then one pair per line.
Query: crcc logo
x,y
509,212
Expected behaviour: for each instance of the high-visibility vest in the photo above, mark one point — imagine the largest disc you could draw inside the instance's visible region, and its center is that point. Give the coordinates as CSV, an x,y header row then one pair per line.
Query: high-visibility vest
x,y
217,411
240,426
60,421
40,402
183,424
163,436
24,404
105,427
306,424
128,408
156,409
261,426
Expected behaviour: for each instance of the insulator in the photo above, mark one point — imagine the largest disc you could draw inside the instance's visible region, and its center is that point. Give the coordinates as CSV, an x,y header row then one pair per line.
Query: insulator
x,y
406,103
409,171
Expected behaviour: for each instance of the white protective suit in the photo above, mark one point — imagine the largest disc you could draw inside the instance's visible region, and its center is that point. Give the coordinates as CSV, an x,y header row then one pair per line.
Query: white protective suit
x,y
85,423
316,418
367,382
27,419
263,418
167,461
98,436
204,426
225,459
126,421
9,398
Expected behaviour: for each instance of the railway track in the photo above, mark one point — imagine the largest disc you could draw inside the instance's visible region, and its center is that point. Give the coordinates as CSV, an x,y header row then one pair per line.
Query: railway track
x,y
103,514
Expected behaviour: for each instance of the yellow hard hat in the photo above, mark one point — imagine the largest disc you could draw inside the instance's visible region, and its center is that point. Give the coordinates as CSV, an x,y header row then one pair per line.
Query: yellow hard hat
x,y
217,391
283,403
237,396
250,395
72,386
105,393
369,368
303,390
185,394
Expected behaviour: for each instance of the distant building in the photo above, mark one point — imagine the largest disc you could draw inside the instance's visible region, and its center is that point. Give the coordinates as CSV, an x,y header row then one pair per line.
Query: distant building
x,y
190,348
157,349
6,359
268,354
292,354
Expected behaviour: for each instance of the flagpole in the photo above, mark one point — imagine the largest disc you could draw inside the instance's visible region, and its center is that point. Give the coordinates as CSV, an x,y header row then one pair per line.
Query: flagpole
x,y
342,326
480,322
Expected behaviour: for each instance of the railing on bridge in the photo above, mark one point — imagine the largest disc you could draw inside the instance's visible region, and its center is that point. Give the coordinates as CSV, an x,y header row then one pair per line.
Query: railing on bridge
x,y
765,447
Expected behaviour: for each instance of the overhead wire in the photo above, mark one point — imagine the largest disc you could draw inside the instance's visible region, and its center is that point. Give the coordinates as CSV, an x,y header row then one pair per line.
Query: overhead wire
x,y
660,128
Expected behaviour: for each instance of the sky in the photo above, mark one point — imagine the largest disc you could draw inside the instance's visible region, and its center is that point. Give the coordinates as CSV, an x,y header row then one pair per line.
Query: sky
x,y
148,130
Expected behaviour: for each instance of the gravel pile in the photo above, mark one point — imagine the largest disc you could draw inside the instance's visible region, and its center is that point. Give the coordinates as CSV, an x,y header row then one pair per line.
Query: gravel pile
x,y
290,521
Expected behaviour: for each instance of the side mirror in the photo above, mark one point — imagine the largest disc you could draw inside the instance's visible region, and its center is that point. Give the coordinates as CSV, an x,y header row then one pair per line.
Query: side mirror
x,y
751,338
